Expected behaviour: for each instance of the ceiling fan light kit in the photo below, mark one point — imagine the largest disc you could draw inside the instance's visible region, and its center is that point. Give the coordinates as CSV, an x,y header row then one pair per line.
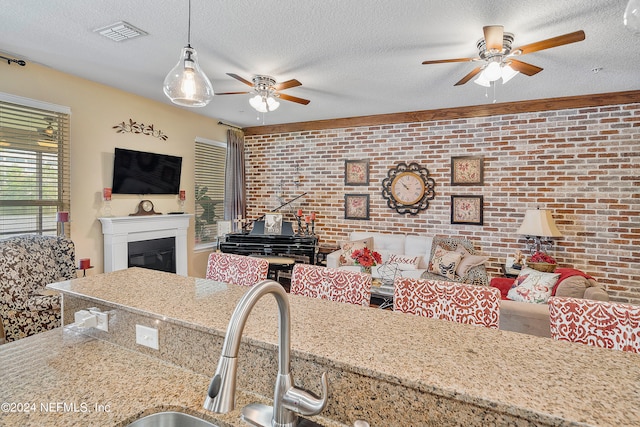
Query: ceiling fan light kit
x,y
495,50
267,92
186,84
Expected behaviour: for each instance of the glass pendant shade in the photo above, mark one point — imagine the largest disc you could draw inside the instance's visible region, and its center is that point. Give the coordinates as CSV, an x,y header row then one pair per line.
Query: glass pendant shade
x,y
632,16
186,84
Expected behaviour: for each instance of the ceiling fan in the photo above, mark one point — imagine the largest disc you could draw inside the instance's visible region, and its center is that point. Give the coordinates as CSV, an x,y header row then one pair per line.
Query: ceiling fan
x,y
499,57
267,90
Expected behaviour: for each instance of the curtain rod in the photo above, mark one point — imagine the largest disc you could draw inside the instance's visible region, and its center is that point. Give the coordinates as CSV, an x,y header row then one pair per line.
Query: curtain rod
x,y
17,61
231,126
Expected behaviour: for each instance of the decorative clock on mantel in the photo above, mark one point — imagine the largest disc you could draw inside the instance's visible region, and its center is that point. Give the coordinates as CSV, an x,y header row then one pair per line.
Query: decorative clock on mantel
x,y
408,188
145,207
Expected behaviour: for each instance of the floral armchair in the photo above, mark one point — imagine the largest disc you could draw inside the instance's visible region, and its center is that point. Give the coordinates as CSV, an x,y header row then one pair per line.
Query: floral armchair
x,y
468,264
27,264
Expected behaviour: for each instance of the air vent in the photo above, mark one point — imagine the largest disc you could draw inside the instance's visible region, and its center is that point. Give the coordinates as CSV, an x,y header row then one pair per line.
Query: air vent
x,y
120,31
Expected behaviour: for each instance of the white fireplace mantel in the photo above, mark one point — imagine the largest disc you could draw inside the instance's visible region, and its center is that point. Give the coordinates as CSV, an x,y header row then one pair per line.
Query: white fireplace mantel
x,y
120,230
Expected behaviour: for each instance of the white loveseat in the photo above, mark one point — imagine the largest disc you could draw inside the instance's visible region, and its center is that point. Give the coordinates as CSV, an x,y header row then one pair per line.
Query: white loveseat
x,y
387,244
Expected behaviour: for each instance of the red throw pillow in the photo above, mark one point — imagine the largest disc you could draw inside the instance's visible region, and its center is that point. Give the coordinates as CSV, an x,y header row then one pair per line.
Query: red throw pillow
x,y
503,284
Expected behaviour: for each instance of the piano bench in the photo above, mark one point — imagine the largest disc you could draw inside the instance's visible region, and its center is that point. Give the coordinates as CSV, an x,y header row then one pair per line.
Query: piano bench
x,y
277,264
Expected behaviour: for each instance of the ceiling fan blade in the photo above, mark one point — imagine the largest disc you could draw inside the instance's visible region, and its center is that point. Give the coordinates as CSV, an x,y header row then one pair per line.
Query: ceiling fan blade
x,y
231,93
293,99
493,35
524,68
574,37
443,61
288,84
469,76
237,77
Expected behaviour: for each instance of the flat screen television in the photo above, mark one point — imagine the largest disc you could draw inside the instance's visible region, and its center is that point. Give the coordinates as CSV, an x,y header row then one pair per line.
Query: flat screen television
x,y
137,172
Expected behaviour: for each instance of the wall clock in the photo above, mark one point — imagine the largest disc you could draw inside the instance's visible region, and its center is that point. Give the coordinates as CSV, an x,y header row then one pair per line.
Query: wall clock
x,y
408,188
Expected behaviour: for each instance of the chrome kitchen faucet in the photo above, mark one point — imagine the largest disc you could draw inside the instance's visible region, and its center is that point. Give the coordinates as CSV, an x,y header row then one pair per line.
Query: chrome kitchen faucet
x,y
288,401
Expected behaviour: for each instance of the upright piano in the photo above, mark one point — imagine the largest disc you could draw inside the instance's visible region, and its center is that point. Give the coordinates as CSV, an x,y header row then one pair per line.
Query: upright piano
x,y
271,244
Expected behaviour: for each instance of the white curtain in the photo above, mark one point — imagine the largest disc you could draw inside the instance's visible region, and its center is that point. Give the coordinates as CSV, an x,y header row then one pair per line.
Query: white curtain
x,y
235,201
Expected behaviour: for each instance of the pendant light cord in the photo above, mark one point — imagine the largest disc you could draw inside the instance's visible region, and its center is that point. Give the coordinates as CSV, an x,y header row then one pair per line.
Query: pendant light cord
x,y
189,27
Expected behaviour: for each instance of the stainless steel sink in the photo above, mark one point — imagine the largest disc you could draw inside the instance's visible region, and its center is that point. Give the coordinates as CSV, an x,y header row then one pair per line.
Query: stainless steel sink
x,y
171,419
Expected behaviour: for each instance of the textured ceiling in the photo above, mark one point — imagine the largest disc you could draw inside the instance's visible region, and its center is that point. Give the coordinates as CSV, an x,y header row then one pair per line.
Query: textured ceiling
x,y
354,58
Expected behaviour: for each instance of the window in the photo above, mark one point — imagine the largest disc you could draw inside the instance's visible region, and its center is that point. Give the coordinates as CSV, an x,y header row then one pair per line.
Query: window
x,y
209,193
34,165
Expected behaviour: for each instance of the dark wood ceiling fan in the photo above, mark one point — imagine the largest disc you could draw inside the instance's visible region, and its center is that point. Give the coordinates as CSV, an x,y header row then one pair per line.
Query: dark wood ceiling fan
x,y
267,86
495,47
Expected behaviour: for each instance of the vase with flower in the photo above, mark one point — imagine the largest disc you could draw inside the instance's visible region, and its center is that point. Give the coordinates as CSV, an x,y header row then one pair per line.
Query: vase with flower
x,y
366,258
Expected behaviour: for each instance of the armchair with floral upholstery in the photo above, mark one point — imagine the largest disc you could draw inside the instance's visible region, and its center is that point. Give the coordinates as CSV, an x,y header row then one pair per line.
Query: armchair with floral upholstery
x,y
455,259
27,264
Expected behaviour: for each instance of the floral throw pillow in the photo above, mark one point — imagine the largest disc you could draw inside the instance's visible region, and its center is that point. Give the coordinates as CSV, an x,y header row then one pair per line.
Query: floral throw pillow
x,y
533,286
347,249
445,262
405,262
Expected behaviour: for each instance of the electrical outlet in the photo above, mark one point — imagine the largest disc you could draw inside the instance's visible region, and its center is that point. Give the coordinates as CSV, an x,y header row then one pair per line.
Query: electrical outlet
x,y
102,319
147,336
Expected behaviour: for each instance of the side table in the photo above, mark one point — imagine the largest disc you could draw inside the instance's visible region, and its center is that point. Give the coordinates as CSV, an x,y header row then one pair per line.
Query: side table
x,y
323,251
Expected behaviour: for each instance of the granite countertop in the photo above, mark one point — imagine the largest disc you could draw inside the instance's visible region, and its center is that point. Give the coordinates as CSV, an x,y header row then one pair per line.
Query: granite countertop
x,y
64,378
556,382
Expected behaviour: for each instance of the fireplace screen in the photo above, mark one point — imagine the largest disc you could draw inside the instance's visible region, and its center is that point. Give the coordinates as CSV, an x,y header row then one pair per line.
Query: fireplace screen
x,y
155,254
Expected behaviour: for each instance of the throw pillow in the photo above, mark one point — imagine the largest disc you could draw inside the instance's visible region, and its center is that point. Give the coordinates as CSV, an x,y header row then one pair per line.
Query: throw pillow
x,y
533,286
405,262
444,262
347,249
468,261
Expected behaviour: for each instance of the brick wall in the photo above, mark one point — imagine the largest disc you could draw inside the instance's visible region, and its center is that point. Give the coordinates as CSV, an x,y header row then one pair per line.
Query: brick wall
x,y
580,163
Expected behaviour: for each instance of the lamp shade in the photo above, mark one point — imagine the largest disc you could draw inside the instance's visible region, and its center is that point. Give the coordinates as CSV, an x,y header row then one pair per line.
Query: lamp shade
x,y
538,222
186,84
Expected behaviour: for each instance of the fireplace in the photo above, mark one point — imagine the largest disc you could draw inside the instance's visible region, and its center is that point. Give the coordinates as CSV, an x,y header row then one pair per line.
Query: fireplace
x,y
134,240
154,254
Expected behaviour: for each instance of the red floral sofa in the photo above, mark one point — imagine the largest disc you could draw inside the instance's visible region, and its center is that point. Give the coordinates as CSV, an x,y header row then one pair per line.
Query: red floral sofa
x,y
27,264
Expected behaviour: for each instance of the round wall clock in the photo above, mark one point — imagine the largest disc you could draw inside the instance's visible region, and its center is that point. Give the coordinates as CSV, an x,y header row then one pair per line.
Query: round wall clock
x,y
408,188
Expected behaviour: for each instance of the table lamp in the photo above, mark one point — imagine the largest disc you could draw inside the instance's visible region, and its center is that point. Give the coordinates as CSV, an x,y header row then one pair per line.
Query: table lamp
x,y
538,227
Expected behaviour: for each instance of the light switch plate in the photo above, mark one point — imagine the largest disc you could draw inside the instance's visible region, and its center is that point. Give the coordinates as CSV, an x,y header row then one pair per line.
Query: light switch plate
x,y
147,336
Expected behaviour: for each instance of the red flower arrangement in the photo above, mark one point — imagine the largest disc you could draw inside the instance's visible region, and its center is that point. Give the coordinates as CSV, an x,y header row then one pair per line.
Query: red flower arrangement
x,y
542,257
366,257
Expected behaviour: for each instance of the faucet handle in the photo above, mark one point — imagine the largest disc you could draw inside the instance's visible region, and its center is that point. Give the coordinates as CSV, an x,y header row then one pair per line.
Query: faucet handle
x,y
305,403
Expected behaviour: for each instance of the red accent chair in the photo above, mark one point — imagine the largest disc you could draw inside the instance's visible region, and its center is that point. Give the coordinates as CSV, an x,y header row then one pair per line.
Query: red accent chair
x,y
456,302
331,284
597,323
237,269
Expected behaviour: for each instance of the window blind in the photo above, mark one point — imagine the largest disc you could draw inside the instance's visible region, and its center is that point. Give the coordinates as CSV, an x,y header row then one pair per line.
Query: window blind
x,y
210,158
34,167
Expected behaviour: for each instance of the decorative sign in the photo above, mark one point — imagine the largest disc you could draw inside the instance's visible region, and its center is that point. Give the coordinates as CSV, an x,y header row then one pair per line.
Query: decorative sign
x,y
134,127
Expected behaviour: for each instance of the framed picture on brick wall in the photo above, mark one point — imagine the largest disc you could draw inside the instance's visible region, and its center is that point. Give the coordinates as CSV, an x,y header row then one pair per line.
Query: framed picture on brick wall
x,y
356,172
356,206
467,170
466,210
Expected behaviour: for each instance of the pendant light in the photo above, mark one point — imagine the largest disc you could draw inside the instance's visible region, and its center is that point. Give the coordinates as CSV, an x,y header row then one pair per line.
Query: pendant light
x,y
186,84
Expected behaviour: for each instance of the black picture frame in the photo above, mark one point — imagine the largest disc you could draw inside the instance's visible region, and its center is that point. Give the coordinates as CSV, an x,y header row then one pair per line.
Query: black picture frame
x,y
356,172
356,206
467,209
467,170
